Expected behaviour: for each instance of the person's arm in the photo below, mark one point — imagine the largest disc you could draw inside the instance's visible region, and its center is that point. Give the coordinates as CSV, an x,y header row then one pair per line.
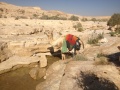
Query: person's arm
x,y
82,43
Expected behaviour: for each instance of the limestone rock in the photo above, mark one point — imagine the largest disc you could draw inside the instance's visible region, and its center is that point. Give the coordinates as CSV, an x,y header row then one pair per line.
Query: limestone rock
x,y
54,75
16,60
41,72
37,73
33,73
76,75
43,61
5,53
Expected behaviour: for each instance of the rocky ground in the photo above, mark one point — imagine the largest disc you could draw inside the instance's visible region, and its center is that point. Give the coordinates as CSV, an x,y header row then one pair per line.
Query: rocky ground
x,y
24,42
80,75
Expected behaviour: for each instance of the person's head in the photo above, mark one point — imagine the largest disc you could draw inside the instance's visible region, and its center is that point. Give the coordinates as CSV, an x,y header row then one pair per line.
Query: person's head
x,y
77,45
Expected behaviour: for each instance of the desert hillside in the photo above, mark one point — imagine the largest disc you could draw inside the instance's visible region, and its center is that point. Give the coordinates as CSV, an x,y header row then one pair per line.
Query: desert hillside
x,y
9,10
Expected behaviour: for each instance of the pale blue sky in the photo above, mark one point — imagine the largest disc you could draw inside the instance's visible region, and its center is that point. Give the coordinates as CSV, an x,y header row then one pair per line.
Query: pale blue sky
x,y
78,7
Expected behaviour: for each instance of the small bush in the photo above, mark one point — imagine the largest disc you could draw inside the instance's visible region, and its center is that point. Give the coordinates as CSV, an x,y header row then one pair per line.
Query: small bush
x,y
16,18
80,29
117,32
94,40
1,10
60,33
114,20
35,16
100,36
84,19
79,57
102,61
112,34
93,19
74,18
20,17
46,17
100,55
26,25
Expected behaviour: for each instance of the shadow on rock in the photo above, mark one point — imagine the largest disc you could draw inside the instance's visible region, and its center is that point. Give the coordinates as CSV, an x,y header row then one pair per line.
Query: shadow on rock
x,y
54,53
114,58
90,81
58,53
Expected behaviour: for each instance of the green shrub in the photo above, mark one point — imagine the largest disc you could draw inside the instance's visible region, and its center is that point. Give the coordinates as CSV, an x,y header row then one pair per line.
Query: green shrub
x,y
114,20
117,32
112,34
35,16
74,18
46,17
100,36
60,33
84,19
92,41
93,19
78,27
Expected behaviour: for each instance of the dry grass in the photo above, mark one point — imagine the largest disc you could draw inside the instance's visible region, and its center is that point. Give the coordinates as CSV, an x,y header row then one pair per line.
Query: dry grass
x,y
80,57
101,61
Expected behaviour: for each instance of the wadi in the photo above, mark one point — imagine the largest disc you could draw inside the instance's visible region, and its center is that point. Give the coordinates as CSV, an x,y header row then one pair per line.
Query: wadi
x,y
25,34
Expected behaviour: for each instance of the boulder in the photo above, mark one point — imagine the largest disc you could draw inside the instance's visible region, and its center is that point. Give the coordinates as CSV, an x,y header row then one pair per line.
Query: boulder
x,y
43,61
5,53
53,77
37,73
16,60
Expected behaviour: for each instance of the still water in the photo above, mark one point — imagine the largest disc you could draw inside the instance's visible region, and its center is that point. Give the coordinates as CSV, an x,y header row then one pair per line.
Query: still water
x,y
20,79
